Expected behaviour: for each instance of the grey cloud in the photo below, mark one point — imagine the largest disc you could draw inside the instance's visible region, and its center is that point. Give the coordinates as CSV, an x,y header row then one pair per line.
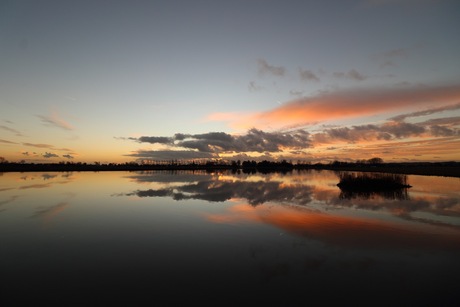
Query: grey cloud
x,y
214,136
154,139
399,52
295,93
260,141
343,133
386,63
437,130
352,74
38,145
254,87
68,156
207,142
388,57
442,121
427,112
402,129
442,126
49,155
385,131
7,142
265,68
16,132
254,140
181,136
307,75
198,145
353,134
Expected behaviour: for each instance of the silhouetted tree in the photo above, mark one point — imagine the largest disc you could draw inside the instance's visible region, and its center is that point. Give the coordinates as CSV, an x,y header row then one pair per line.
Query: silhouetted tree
x,y
375,160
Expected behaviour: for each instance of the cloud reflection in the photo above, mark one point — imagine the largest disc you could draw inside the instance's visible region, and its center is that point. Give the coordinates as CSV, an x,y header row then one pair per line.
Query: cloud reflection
x,y
359,232
9,200
255,193
307,190
51,179
48,213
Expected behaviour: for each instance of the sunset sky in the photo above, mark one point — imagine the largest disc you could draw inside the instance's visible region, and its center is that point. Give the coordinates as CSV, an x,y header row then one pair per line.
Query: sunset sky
x,y
316,81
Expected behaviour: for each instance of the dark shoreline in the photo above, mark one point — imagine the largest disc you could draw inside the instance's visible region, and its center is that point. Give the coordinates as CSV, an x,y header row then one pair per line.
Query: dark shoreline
x,y
444,169
424,170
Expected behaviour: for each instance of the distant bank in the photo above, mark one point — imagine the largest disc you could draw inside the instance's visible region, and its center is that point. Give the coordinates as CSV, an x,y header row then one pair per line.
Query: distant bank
x,y
447,169
434,169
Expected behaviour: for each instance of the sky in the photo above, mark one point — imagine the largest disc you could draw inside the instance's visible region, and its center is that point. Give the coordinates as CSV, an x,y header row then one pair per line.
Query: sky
x,y
311,81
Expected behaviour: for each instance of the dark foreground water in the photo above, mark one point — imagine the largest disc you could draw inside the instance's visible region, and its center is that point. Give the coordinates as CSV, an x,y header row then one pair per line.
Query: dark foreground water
x,y
215,239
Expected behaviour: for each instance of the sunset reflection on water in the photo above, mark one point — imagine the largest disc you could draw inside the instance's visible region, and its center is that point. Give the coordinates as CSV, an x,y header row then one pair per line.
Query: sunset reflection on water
x,y
263,237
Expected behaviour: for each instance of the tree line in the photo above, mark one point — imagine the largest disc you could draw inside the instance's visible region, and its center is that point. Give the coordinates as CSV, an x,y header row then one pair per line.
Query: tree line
x,y
249,166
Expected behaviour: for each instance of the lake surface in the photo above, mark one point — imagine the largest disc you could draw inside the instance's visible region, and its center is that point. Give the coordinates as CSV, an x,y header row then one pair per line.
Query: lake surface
x,y
223,238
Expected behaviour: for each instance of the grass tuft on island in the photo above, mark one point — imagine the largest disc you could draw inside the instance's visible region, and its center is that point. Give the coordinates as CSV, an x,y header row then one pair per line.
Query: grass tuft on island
x,y
372,182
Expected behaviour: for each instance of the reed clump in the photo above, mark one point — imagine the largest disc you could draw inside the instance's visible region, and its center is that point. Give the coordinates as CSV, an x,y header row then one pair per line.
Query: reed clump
x,y
372,181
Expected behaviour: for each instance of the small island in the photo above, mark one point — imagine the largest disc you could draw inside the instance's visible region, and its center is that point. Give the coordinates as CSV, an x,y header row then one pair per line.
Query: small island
x,y
372,182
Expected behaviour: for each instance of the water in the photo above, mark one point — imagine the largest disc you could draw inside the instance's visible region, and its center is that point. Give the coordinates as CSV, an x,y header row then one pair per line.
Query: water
x,y
223,238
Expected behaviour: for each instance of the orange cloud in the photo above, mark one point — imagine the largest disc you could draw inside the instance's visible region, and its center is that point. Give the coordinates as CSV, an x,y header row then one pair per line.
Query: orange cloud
x,y
344,104
55,121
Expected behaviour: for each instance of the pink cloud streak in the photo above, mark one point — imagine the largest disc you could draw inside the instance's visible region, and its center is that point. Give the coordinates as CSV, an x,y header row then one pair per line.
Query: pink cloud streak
x,y
344,104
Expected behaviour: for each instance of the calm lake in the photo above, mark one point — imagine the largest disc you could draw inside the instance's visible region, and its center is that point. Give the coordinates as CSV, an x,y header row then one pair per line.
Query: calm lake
x,y
176,238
